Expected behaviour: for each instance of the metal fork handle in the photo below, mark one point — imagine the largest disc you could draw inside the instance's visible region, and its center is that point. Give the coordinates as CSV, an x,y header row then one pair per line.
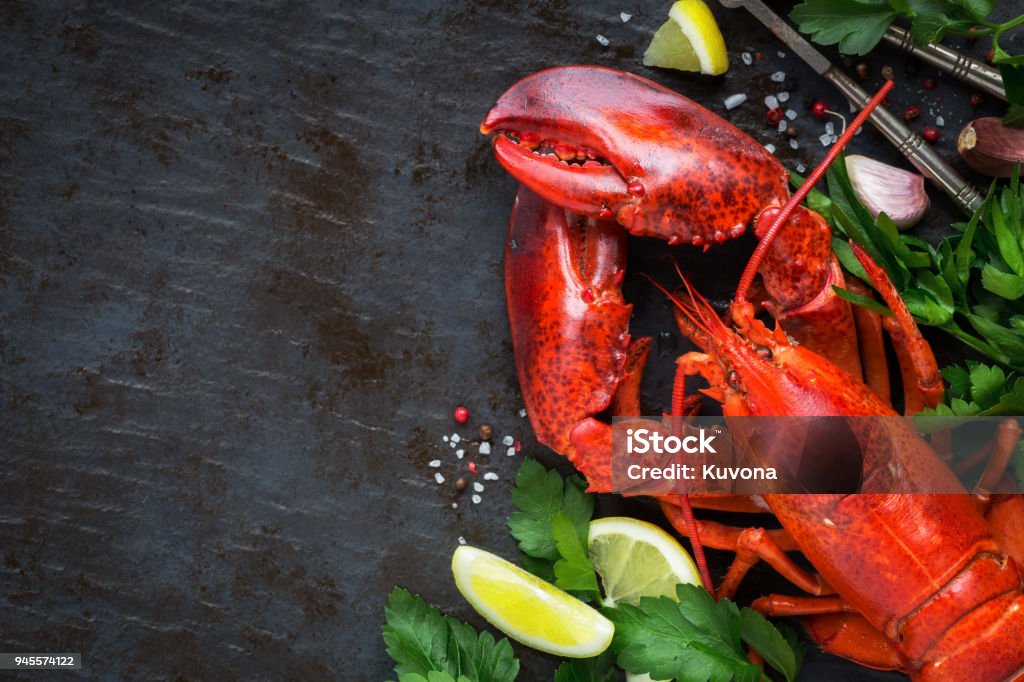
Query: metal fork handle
x,y
911,145
976,74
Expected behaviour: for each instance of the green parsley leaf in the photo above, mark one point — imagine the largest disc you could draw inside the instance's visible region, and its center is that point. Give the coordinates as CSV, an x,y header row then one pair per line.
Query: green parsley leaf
x,y
573,571
539,496
598,669
768,641
415,634
855,26
432,676
427,646
696,639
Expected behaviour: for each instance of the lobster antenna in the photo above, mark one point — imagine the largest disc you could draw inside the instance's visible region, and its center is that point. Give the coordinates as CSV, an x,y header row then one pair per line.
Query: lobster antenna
x,y
747,279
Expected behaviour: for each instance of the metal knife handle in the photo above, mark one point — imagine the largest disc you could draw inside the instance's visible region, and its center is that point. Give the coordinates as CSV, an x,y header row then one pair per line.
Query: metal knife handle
x,y
917,151
971,71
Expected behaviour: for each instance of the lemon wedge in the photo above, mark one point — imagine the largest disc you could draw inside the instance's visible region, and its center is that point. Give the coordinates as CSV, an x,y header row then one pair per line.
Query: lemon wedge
x,y
526,608
637,559
689,41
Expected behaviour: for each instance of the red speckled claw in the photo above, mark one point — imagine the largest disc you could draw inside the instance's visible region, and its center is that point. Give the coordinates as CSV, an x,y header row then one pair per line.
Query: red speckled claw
x,y
622,146
569,324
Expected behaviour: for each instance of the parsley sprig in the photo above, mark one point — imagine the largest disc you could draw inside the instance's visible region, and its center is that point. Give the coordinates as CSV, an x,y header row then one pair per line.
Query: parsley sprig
x,y
551,525
857,26
970,286
428,646
698,639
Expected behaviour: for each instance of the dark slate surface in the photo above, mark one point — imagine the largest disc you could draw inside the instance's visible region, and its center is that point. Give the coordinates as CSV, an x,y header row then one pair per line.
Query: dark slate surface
x,y
250,258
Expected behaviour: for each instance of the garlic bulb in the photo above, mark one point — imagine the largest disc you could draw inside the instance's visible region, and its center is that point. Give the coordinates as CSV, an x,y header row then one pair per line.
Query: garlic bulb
x,y
991,148
883,188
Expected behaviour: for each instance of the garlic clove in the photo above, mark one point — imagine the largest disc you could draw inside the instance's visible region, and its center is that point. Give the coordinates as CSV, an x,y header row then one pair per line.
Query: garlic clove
x,y
883,188
991,148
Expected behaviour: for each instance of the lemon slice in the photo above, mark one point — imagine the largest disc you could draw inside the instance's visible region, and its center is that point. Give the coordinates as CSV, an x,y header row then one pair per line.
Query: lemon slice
x,y
637,559
689,41
526,608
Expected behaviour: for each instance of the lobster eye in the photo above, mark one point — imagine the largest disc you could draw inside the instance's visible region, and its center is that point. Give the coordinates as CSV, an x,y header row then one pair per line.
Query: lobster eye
x,y
763,352
734,380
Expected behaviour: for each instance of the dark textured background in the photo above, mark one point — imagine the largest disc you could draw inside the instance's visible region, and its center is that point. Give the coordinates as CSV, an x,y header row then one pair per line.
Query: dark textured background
x,y
250,258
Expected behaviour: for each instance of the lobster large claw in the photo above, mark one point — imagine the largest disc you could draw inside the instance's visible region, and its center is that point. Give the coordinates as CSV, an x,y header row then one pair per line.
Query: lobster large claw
x,y
570,327
607,144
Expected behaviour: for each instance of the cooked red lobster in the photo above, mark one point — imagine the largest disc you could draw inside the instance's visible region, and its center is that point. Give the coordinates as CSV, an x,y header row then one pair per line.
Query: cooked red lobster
x,y
928,584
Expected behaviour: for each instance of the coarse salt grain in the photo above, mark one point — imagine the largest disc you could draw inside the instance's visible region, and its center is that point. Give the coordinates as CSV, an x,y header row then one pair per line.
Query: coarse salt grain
x,y
508,440
490,476
783,97
782,55
444,438
453,444
778,76
462,540
801,168
455,505
835,138
733,101
477,499
829,128
459,454
747,58
795,145
435,463
485,448
510,452
939,121
825,140
791,114
771,101
783,124
439,478
522,413
477,486
770,148
601,39
456,438
625,17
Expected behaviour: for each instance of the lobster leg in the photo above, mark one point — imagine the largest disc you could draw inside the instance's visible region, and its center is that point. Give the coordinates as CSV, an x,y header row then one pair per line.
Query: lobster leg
x,y
1006,442
751,545
872,344
851,636
922,383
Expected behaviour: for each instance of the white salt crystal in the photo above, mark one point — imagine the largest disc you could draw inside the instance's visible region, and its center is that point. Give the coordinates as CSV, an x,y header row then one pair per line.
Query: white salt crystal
x,y
435,463
795,145
733,101
778,76
825,140
783,97
791,115
770,148
771,101
485,448
625,17
490,476
783,124
601,39
511,452
508,440
439,478
477,499
477,486
460,453
939,121
829,128
747,58
462,540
